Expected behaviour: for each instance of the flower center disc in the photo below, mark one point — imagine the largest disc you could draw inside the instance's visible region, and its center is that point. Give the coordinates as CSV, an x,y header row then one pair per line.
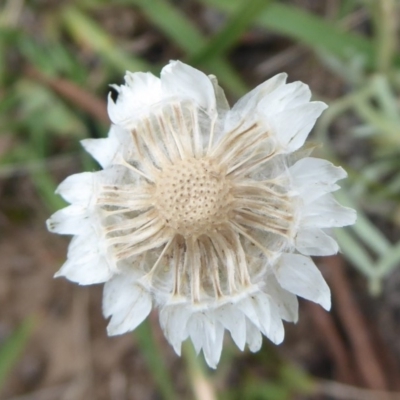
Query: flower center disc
x,y
192,196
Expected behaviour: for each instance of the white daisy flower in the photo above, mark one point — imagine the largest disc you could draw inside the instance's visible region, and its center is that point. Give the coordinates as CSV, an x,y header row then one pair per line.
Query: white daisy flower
x,y
209,214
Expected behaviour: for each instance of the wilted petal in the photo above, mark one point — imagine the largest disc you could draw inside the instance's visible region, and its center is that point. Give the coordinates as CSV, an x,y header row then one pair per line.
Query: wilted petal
x,y
104,151
314,177
299,275
315,242
212,347
187,82
287,302
326,212
78,188
293,126
173,321
86,263
253,337
127,302
234,321
71,220
141,90
269,317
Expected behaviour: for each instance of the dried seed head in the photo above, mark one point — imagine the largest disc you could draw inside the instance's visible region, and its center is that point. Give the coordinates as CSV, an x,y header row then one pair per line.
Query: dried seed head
x,y
202,210
192,196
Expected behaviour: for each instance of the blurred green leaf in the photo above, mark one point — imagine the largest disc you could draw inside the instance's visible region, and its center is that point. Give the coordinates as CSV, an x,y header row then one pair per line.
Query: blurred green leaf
x,y
243,16
388,128
12,348
296,379
50,58
91,35
265,391
388,261
177,27
371,235
172,22
384,15
352,249
46,186
309,29
386,98
41,110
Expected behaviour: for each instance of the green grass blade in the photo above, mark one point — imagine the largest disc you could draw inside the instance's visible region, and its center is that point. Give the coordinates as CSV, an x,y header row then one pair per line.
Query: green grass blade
x,y
354,252
172,22
389,261
12,348
364,229
46,186
242,18
85,30
227,76
176,26
384,16
156,363
309,29
370,235
386,97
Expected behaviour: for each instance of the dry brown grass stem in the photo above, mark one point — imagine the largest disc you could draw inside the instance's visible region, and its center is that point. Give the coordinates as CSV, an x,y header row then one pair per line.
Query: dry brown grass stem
x,y
341,391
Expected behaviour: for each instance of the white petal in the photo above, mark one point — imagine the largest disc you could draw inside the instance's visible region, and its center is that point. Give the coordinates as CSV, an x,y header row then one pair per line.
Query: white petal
x,y
276,331
221,101
127,302
89,272
187,82
292,126
284,109
140,91
103,150
251,99
86,264
253,337
71,220
144,88
78,188
326,212
116,114
233,320
287,302
200,328
173,321
260,309
315,242
212,347
284,97
117,292
206,333
246,109
194,328
246,305
300,94
313,177
269,317
299,275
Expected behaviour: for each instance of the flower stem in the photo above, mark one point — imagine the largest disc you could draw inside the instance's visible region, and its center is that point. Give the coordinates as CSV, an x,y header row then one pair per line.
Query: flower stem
x,y
153,355
201,385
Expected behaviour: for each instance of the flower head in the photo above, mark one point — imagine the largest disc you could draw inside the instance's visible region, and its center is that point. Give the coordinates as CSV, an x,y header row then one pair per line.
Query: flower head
x,y
208,213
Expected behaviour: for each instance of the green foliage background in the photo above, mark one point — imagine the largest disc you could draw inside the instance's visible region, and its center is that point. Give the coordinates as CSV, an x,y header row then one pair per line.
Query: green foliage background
x,y
39,118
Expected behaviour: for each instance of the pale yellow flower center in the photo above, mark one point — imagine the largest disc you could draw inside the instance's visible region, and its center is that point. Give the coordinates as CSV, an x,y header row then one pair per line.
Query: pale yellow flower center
x,y
192,196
